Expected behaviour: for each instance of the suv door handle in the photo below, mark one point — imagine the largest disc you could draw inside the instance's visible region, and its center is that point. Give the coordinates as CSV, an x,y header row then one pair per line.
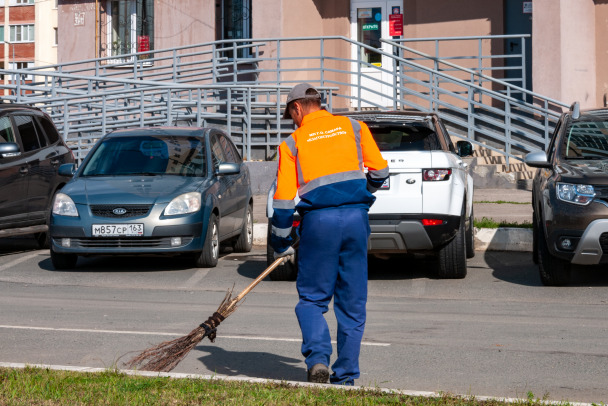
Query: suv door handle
x,y
23,170
55,162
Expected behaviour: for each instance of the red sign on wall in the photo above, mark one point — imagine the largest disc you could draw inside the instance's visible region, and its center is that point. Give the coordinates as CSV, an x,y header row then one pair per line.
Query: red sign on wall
x,y
395,25
143,43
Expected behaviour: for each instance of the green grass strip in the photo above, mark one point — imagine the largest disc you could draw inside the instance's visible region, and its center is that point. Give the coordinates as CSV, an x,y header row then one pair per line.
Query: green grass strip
x,y
491,223
39,386
500,202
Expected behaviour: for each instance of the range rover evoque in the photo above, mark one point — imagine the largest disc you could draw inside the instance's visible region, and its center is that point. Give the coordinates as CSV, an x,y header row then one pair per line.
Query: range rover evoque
x,y
426,205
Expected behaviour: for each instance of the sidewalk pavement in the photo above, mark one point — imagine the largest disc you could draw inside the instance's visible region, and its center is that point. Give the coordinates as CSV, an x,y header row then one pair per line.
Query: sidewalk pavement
x,y
501,205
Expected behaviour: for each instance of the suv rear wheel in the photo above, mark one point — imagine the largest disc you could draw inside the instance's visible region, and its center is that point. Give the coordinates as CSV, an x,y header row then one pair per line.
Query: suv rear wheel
x,y
470,237
452,262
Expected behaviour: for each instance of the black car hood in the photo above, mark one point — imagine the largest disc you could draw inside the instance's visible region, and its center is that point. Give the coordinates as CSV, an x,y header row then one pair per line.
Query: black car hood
x,y
584,171
130,190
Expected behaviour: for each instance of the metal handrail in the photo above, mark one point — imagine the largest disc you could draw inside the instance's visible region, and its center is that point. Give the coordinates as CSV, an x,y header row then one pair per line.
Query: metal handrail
x,y
203,76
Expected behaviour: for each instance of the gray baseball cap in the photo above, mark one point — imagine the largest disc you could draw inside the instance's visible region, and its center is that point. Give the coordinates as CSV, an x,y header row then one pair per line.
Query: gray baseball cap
x,y
299,92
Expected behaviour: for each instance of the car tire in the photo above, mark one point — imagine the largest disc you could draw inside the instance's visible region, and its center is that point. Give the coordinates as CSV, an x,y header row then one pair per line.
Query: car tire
x,y
44,239
470,237
535,227
244,242
63,261
452,262
208,257
285,272
553,271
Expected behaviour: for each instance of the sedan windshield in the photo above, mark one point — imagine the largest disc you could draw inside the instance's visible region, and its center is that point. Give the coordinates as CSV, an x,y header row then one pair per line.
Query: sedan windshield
x,y
147,155
586,140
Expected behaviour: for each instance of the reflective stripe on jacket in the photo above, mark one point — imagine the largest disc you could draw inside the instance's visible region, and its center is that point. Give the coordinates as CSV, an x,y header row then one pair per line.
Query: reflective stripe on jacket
x,y
323,161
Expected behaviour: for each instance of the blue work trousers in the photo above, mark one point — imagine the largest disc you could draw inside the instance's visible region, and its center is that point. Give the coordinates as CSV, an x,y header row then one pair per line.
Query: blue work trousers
x,y
332,262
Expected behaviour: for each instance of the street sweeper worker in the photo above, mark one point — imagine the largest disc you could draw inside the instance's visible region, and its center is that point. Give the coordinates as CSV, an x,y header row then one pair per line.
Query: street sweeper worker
x,y
323,162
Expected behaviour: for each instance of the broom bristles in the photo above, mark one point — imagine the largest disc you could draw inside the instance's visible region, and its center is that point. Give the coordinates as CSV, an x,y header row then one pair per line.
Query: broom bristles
x,y
166,355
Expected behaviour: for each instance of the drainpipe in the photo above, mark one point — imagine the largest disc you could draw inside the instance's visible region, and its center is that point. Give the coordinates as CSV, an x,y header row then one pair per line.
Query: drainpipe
x,y
97,28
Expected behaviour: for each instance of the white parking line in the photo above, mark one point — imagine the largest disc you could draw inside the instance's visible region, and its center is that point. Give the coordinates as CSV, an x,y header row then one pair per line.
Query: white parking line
x,y
84,330
196,278
18,261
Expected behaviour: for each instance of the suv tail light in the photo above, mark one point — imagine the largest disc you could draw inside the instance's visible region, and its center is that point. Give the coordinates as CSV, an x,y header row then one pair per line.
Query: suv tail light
x,y
436,174
432,222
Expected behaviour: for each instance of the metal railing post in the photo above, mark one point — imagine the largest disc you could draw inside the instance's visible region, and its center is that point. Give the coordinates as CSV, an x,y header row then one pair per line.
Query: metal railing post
x,y
169,108
248,113
322,62
508,126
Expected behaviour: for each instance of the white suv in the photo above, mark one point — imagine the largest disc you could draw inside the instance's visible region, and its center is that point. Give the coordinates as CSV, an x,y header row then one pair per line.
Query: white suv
x,y
426,205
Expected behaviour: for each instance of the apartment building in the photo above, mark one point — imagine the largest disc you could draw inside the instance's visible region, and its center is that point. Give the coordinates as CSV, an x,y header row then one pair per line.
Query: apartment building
x,y
17,33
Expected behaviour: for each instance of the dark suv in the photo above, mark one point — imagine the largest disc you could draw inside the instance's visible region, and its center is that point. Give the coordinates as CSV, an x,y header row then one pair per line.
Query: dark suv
x,y
31,150
570,196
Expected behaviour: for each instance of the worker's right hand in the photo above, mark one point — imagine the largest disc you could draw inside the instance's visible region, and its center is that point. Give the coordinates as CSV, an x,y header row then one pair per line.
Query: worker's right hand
x,y
287,255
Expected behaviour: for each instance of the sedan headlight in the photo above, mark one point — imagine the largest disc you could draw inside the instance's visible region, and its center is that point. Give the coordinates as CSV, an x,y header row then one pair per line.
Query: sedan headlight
x,y
63,205
184,204
577,194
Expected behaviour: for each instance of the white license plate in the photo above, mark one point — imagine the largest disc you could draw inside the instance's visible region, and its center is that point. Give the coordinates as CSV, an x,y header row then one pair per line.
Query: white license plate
x,y
118,230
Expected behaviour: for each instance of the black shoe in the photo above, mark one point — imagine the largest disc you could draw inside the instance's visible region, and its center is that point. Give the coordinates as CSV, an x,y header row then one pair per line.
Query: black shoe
x,y
319,373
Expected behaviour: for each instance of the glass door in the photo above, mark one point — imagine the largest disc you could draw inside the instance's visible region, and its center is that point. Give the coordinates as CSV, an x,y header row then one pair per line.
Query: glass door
x,y
373,72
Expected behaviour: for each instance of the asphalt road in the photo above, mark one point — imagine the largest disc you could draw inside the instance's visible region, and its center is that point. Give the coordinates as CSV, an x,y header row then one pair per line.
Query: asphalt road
x,y
496,333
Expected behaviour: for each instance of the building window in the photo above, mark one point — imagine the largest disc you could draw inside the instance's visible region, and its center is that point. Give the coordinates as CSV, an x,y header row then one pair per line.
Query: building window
x,y
56,32
22,33
129,26
1,33
21,65
18,2
233,21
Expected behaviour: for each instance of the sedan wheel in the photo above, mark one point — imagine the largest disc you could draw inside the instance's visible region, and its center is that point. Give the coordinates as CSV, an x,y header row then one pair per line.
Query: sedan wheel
x,y
211,249
244,242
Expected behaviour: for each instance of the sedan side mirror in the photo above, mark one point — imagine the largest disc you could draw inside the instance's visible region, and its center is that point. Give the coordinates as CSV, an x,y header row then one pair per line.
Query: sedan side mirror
x,y
9,149
464,148
228,169
67,170
537,159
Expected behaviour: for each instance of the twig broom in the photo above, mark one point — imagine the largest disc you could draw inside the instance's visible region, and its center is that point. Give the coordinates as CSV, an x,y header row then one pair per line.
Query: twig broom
x,y
166,355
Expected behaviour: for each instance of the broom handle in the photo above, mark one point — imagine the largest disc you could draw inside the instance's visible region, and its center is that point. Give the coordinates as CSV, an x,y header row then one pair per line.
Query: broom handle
x,y
264,274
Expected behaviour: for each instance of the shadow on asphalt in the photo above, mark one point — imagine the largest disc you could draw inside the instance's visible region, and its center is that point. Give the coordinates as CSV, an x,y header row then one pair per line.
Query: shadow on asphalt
x,y
264,365
118,264
394,268
16,245
518,268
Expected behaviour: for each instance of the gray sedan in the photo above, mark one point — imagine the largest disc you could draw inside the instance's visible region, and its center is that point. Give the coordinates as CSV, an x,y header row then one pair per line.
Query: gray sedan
x,y
159,190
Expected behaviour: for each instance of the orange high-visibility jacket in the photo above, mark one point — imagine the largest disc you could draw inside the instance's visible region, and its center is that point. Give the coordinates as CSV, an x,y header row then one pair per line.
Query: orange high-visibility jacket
x,y
323,161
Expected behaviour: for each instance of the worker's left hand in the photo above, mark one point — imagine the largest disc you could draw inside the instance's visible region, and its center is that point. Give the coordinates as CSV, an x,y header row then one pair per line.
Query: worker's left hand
x,y
287,255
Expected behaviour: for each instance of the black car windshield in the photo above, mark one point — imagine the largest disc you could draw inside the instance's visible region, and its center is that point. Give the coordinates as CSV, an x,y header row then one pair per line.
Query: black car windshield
x,y
405,138
147,155
586,140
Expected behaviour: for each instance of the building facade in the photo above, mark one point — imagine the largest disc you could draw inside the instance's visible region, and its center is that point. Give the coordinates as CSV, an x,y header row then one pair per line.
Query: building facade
x,y
45,32
563,54
17,33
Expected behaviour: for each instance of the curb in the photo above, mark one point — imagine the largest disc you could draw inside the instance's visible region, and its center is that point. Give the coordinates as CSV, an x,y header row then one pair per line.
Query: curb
x,y
486,239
